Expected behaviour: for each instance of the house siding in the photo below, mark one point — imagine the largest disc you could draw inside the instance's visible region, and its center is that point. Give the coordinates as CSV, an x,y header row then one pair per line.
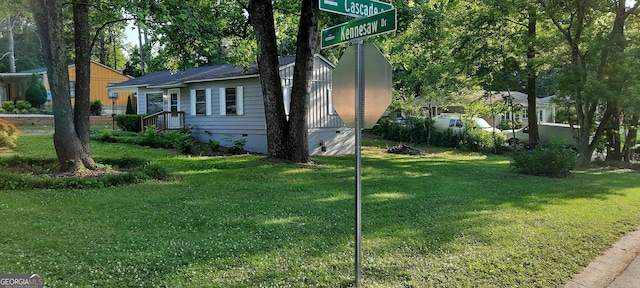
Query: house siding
x,y
327,134
320,109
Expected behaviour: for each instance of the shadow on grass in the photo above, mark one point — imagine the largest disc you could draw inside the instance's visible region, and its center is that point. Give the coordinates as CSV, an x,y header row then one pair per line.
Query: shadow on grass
x,y
242,222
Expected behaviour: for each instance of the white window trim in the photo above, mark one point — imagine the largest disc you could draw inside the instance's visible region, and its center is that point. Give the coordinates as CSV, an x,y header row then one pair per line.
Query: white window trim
x,y
207,102
239,101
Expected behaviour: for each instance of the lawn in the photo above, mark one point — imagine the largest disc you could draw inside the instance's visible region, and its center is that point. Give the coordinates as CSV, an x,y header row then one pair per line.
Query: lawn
x,y
443,219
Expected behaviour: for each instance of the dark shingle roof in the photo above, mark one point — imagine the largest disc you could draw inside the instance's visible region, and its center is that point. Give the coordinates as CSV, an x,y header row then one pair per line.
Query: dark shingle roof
x,y
222,71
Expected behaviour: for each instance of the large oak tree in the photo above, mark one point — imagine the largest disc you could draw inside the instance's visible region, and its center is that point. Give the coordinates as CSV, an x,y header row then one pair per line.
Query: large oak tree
x,y
71,149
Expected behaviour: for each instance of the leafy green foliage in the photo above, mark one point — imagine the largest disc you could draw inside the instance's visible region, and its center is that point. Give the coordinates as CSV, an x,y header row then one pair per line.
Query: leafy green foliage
x,y
8,106
22,105
418,130
129,122
8,134
237,145
550,159
411,130
38,177
36,93
95,107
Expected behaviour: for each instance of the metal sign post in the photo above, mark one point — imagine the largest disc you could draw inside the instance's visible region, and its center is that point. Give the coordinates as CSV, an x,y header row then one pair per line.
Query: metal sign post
x,y
359,121
381,19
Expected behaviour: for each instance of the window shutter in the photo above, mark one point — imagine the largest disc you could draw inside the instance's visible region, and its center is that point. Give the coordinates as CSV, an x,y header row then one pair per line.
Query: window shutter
x,y
193,102
208,102
223,102
239,101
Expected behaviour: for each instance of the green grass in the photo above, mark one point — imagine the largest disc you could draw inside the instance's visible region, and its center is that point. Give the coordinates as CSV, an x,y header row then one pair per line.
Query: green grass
x,y
445,219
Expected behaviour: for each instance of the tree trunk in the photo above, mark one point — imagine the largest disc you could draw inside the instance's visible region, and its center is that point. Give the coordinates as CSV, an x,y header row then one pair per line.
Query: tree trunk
x,y
83,79
261,17
49,21
302,82
12,48
532,111
632,135
103,50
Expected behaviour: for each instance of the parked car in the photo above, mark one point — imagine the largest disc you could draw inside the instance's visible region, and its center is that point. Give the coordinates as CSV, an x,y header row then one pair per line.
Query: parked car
x,y
546,132
454,122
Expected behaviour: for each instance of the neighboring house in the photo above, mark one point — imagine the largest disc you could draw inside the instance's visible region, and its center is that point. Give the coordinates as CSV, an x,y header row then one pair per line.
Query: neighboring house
x,y
14,85
546,110
224,103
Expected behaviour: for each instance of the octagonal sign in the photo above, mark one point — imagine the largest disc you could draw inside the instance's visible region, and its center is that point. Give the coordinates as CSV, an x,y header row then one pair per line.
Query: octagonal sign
x,y
377,85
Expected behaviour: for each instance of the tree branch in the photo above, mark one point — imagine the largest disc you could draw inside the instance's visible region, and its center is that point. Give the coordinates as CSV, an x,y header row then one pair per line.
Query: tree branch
x,y
95,36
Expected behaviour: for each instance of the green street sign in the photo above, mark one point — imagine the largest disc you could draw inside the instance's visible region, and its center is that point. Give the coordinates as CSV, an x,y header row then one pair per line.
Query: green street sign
x,y
355,8
377,24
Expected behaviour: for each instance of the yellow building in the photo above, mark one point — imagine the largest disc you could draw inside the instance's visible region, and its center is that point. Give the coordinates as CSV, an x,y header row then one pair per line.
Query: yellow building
x,y
14,85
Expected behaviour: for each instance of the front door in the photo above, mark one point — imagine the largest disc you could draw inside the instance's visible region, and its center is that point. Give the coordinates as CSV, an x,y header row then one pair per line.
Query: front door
x,y
174,107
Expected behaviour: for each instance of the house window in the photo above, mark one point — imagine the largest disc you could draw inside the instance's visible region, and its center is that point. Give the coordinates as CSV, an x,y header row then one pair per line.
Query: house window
x,y
72,88
201,102
154,103
332,111
525,114
231,101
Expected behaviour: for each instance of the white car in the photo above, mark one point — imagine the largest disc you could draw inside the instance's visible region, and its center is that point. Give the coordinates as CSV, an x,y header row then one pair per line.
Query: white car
x,y
454,122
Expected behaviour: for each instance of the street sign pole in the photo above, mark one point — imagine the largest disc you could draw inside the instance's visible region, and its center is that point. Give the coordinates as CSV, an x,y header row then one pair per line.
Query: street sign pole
x,y
379,18
359,122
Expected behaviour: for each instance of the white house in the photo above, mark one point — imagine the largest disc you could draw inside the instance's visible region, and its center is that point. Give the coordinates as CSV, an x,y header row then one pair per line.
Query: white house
x,y
546,110
225,103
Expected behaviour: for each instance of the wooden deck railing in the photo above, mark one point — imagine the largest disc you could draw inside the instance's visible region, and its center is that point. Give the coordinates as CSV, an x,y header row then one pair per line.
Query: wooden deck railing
x,y
164,120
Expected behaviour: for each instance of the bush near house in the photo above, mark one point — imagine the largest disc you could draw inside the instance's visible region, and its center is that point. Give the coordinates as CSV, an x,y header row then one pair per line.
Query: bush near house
x,y
8,106
36,93
130,122
8,134
95,108
416,131
130,109
551,159
22,106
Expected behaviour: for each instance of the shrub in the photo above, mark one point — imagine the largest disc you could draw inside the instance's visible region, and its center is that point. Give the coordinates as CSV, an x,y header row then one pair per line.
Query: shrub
x,y
107,136
130,109
8,134
180,140
478,140
237,144
139,170
214,145
8,106
23,105
129,122
508,124
36,93
95,108
413,130
552,159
